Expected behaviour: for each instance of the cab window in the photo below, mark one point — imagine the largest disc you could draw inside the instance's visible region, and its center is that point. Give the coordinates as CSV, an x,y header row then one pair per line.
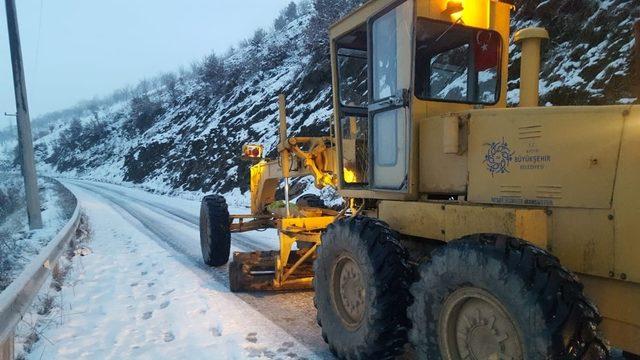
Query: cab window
x,y
353,68
456,63
352,64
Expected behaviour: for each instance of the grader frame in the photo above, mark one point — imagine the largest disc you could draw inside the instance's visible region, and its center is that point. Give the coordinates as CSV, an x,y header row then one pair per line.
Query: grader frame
x,y
284,269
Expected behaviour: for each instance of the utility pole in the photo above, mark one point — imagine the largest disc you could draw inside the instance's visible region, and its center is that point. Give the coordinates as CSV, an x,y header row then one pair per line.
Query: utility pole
x,y
25,140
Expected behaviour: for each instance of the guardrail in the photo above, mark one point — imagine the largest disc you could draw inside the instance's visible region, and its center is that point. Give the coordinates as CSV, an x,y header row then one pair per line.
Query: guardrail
x,y
16,299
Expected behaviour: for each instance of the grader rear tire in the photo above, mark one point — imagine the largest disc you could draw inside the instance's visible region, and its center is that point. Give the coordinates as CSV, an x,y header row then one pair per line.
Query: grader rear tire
x,y
361,289
492,296
215,235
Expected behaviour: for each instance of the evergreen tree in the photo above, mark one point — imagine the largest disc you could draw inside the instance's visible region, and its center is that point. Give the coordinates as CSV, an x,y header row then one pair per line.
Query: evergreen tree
x,y
291,12
280,22
211,72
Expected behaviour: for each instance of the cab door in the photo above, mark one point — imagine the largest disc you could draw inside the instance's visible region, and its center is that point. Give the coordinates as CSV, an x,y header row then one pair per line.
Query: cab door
x,y
390,73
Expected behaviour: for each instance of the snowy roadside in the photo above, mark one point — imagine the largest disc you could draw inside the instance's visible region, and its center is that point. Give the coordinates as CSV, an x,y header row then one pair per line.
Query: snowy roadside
x,y
18,245
133,298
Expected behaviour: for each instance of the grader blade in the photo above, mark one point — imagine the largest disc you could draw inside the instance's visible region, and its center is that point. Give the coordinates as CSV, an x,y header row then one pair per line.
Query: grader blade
x,y
255,271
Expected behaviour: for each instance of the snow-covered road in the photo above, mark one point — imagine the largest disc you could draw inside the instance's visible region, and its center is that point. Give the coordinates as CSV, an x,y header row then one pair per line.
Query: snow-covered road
x,y
144,292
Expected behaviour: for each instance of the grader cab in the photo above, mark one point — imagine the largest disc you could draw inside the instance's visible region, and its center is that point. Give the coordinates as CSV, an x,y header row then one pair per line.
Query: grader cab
x,y
469,230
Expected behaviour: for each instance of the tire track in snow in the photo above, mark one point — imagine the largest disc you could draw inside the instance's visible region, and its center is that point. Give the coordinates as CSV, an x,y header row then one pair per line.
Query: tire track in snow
x,y
293,312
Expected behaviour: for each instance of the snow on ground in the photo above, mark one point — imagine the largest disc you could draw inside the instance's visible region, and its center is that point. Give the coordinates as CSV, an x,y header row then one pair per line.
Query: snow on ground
x,y
144,293
18,245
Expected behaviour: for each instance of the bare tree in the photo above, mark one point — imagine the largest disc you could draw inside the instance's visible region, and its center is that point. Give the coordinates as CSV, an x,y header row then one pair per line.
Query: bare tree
x,y
170,83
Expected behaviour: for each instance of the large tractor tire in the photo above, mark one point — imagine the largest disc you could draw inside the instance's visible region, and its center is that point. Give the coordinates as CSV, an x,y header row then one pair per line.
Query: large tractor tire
x,y
215,236
496,297
361,289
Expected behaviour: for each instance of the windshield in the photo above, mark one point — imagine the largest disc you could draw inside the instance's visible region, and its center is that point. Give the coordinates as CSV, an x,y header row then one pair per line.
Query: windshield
x,y
455,63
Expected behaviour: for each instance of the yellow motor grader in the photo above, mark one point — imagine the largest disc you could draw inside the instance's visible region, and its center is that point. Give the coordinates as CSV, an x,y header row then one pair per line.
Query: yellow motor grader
x,y
470,230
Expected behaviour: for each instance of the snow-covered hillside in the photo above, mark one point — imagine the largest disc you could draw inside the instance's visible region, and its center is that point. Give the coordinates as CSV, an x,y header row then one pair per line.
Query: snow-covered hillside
x,y
185,131
589,58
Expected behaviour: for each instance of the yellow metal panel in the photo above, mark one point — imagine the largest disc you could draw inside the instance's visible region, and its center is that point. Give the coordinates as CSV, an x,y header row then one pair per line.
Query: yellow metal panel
x,y
627,201
621,335
306,224
618,303
414,218
440,172
527,224
555,156
465,220
583,240
533,226
440,221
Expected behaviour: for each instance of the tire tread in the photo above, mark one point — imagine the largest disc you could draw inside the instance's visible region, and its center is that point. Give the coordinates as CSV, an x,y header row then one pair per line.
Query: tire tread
x,y
559,292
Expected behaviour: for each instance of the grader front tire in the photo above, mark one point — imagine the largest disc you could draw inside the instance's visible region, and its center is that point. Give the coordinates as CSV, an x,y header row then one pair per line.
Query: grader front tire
x,y
361,289
215,235
493,296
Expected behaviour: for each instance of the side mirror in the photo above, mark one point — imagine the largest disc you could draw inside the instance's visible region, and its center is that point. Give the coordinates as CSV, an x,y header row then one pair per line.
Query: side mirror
x,y
252,152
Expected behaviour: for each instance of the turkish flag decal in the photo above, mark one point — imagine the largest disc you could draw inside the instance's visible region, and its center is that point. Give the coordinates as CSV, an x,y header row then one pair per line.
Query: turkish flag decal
x,y
486,48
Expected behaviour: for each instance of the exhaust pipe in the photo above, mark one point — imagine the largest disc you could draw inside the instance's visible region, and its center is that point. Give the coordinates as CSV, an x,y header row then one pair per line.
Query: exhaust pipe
x,y
531,39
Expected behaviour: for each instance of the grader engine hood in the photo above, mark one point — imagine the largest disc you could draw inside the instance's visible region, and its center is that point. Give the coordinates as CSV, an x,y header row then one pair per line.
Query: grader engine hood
x,y
551,157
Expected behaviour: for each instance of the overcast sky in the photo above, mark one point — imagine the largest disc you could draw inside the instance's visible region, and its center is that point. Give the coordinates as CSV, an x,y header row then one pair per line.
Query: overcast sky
x,y
76,49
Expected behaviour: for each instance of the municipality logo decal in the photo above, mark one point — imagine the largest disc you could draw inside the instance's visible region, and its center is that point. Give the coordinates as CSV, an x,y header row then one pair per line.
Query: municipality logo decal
x,y
498,157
